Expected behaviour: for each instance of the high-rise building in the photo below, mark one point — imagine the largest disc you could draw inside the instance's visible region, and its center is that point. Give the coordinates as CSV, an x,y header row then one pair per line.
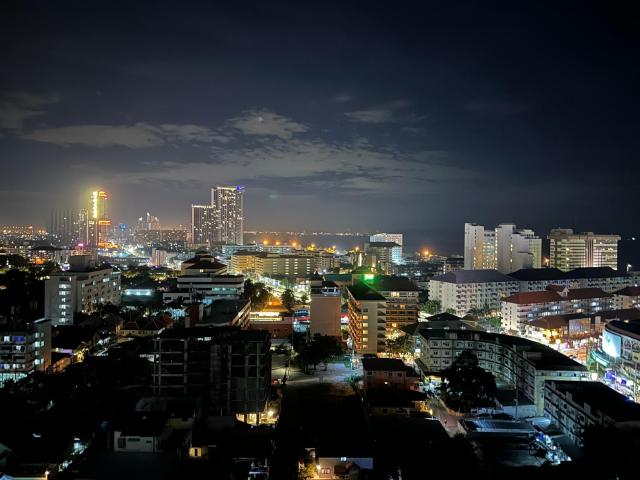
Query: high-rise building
x,y
81,226
204,224
569,250
367,318
62,225
479,247
397,238
148,222
505,248
229,205
98,221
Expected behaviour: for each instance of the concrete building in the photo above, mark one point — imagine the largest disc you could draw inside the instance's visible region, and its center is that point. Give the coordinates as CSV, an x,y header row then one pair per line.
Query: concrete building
x,y
25,347
521,308
80,289
402,297
228,203
606,278
628,297
575,406
367,318
513,360
206,288
324,311
505,249
229,369
299,264
204,224
465,290
479,247
397,238
380,255
621,348
388,373
569,250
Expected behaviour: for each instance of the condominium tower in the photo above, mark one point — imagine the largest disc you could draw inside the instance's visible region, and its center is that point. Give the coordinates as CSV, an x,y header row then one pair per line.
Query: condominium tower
x,y
505,248
569,250
229,205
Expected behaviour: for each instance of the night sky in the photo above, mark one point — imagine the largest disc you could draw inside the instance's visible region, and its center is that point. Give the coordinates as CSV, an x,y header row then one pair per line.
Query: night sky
x,y
412,117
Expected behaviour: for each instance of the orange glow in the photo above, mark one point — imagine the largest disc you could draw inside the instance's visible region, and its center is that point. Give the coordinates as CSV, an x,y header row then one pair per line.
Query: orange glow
x,y
265,242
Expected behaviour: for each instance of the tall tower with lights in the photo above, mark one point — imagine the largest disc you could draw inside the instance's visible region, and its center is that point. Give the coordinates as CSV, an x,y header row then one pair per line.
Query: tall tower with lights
x,y
98,220
228,203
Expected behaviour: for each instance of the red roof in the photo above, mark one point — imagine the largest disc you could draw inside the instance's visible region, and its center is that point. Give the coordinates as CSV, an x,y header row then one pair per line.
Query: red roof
x,y
524,298
629,292
586,293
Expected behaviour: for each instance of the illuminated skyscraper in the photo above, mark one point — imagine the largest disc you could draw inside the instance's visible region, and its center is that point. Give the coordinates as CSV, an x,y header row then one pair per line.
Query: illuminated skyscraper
x,y
229,205
98,217
204,224
62,226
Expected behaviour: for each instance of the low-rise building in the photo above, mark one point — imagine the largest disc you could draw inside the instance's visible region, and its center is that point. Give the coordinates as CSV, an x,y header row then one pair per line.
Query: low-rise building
x,y
367,310
205,288
25,347
514,360
575,406
628,297
388,373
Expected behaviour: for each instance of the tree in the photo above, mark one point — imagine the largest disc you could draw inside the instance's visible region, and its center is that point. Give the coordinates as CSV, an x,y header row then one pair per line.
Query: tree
x,y
258,293
452,311
307,472
399,345
304,298
431,307
465,385
288,299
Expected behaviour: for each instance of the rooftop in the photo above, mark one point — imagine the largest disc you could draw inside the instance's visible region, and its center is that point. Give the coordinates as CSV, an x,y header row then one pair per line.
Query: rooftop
x,y
361,291
385,283
623,326
220,333
629,291
550,274
473,276
602,398
384,364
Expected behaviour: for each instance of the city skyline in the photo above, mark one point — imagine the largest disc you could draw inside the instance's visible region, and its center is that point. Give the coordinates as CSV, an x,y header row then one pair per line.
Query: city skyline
x,y
422,109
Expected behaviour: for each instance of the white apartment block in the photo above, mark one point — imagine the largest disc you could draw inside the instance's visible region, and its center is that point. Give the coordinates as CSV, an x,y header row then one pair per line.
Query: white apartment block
x,y
66,293
465,290
522,308
575,406
504,248
25,347
569,250
206,288
513,360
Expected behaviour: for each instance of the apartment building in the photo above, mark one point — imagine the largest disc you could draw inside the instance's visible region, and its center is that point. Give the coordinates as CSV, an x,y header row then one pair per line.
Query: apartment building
x,y
521,308
606,278
288,264
402,297
628,297
569,250
463,291
324,311
367,318
25,347
229,369
513,360
504,248
575,406
205,288
80,289
397,238
388,373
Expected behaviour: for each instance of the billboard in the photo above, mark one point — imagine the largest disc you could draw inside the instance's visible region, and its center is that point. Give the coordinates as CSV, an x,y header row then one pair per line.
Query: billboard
x,y
611,344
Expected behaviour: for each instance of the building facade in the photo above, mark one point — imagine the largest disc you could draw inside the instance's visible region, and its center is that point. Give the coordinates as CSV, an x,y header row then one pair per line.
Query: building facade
x,y
204,224
79,290
25,347
569,250
397,238
324,311
228,368
575,406
367,318
516,361
228,203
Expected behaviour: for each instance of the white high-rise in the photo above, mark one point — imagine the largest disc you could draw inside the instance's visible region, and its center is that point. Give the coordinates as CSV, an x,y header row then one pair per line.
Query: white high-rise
x,y
505,248
396,253
204,224
229,205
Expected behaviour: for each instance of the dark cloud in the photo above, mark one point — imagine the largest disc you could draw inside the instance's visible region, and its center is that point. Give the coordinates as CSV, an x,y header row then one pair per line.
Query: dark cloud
x,y
415,116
